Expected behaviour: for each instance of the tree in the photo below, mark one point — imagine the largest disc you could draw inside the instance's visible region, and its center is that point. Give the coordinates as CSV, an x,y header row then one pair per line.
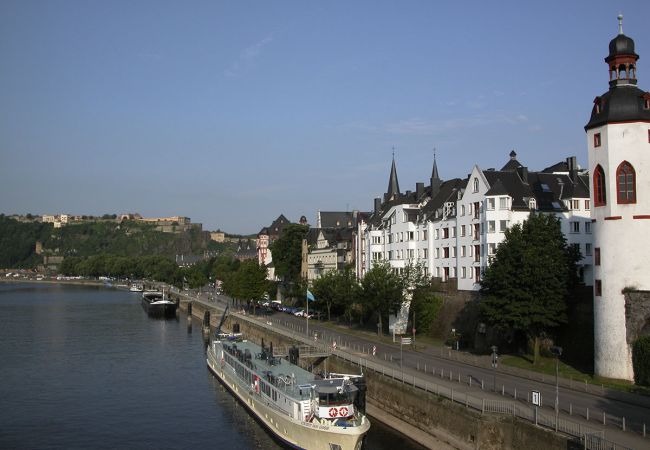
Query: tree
x,y
526,285
382,292
287,252
425,305
335,290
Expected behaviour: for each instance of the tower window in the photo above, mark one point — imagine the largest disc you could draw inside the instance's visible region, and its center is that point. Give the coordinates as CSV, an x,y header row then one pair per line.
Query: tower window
x,y
597,256
597,140
600,195
598,288
626,183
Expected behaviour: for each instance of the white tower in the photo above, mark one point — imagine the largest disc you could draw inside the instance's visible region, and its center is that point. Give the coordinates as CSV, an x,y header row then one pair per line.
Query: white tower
x,y
618,138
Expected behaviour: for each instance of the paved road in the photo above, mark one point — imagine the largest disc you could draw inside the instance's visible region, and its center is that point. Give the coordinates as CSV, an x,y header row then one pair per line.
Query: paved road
x,y
441,364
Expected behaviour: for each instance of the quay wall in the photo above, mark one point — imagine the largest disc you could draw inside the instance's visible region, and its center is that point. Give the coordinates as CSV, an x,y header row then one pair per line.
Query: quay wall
x,y
426,418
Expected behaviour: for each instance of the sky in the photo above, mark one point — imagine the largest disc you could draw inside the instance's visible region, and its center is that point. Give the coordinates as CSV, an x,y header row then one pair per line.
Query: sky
x,y
232,113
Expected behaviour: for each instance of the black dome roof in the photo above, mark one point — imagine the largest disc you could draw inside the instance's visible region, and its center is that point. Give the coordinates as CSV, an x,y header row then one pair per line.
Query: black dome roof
x,y
621,45
620,104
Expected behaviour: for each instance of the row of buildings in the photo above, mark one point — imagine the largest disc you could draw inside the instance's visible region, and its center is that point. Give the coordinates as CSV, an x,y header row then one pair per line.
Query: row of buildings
x,y
452,228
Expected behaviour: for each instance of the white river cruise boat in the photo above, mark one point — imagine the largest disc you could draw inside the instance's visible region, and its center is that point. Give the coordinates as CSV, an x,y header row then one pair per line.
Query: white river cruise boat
x,y
299,408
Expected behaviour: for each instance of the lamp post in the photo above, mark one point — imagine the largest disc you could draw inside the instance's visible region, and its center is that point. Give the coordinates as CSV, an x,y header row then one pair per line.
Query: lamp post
x,y
495,359
557,351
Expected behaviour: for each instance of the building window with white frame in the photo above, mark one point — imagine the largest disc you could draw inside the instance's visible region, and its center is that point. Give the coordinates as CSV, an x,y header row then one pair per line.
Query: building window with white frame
x,y
475,185
491,226
492,248
489,204
463,272
587,205
588,249
462,251
462,231
503,225
425,235
462,210
503,202
588,227
426,253
574,227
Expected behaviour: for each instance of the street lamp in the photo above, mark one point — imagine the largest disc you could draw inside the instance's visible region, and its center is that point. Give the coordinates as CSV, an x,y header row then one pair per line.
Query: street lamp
x,y
495,359
557,351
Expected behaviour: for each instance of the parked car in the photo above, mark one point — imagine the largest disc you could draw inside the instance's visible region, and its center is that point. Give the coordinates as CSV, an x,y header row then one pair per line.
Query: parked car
x,y
299,313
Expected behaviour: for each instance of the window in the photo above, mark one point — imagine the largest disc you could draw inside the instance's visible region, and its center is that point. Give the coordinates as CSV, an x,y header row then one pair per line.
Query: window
x,y
426,253
462,231
600,195
489,204
475,185
453,252
435,233
477,231
425,235
588,249
598,288
437,253
588,227
532,203
503,225
574,227
445,252
452,232
491,226
462,207
492,249
462,252
587,205
477,210
503,202
445,233
597,140
625,177
597,256
477,253
575,205
411,253
463,272
411,233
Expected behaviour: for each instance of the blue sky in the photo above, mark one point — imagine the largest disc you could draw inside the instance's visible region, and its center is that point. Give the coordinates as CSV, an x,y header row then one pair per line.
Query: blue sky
x,y
232,113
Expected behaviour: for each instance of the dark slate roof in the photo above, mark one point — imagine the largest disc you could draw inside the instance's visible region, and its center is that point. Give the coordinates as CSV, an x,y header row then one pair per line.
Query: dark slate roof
x,y
512,164
621,45
341,219
275,229
393,184
511,184
558,167
497,189
448,192
620,104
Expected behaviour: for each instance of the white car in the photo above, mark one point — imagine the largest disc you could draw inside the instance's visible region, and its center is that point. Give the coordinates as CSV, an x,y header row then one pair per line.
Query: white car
x,y
299,313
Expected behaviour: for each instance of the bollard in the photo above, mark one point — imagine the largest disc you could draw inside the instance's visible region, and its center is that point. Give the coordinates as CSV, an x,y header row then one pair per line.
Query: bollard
x,y
604,418
644,429
623,423
587,414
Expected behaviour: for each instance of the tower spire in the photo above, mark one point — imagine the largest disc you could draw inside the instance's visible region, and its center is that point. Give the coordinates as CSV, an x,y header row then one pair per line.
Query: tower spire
x,y
393,184
435,178
620,24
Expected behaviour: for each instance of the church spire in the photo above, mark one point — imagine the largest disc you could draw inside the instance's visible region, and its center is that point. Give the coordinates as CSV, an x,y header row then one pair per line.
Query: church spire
x,y
435,178
393,184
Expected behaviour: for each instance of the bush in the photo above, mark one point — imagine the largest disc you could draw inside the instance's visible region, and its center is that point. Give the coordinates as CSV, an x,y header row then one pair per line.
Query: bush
x,y
641,361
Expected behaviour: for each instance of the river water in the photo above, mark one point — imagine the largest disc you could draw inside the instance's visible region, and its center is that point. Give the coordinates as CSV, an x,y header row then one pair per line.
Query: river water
x,y
86,368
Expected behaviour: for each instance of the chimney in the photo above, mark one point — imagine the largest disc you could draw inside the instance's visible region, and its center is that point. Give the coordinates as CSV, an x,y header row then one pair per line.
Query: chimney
x,y
573,167
377,205
523,174
419,190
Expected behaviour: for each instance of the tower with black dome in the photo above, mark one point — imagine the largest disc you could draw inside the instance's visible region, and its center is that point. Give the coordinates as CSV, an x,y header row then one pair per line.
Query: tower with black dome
x,y
618,138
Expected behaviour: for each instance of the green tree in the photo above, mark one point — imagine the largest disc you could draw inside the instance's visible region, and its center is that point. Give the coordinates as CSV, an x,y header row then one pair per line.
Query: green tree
x,y
425,306
335,290
526,285
287,252
381,293
641,360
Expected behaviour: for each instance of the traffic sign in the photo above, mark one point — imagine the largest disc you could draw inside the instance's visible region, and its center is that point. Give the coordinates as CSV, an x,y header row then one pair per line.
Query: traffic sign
x,y
537,398
406,341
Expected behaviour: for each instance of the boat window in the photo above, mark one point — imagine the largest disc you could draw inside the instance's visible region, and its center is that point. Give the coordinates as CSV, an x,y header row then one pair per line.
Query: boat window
x,y
333,398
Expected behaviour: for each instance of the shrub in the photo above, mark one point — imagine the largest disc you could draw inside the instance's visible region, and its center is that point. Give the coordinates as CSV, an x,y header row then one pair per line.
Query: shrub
x,y
641,361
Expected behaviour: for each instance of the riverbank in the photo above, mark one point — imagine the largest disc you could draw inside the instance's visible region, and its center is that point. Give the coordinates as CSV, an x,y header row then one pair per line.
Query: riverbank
x,y
54,281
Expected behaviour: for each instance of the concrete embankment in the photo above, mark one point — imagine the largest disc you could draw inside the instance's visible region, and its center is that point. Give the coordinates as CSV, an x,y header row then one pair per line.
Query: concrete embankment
x,y
426,418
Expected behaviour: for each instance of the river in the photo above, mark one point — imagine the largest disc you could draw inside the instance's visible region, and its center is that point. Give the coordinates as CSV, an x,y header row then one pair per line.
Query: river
x,y
85,368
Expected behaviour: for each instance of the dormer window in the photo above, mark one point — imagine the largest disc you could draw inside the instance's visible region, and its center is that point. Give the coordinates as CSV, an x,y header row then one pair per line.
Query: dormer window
x,y
597,105
532,204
